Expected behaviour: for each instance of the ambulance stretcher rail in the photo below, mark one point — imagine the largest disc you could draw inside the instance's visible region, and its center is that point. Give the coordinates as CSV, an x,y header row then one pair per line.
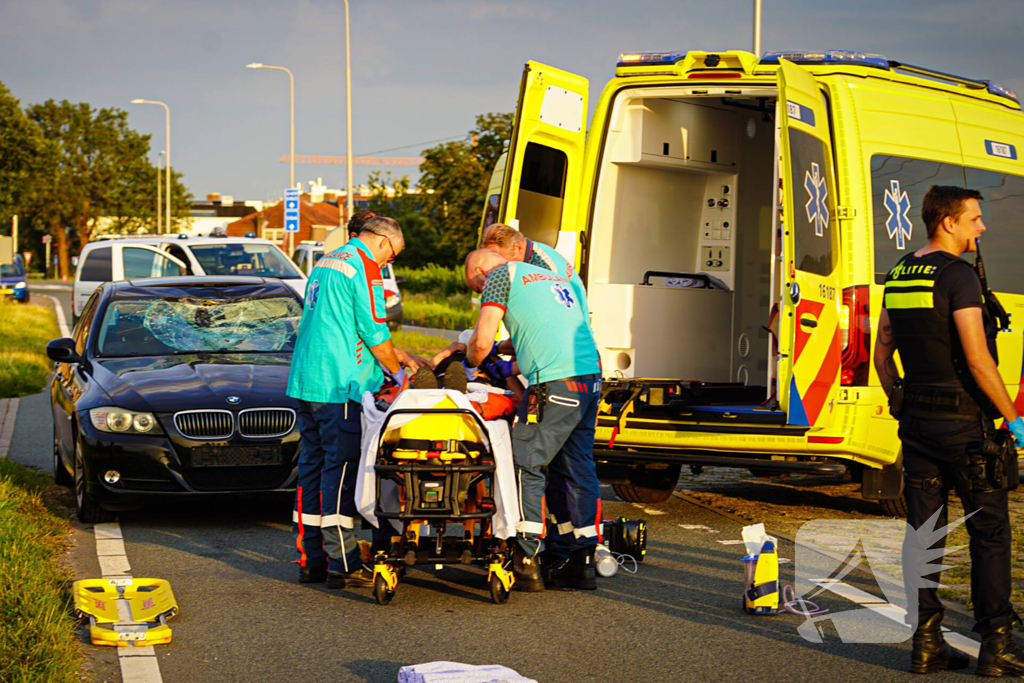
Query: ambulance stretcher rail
x,y
663,273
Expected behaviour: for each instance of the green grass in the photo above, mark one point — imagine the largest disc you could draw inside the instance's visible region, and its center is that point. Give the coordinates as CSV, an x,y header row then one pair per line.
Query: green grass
x,y
38,639
434,280
426,310
24,332
418,343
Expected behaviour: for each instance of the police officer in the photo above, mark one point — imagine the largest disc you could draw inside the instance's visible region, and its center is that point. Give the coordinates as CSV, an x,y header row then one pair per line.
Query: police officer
x,y
342,332
556,352
934,315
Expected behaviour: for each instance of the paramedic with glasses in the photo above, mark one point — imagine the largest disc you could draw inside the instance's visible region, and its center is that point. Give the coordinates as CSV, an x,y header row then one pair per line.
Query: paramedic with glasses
x,y
343,330
934,314
555,350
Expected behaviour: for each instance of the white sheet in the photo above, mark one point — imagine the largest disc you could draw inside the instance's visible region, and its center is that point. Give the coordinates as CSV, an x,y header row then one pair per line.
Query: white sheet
x,y
506,497
454,672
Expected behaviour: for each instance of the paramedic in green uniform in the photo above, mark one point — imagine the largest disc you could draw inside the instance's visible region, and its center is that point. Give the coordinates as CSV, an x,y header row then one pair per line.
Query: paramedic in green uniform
x,y
555,350
343,350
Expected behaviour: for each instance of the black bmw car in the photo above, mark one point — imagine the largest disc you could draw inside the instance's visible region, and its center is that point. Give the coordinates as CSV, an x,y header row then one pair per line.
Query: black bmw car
x,y
176,387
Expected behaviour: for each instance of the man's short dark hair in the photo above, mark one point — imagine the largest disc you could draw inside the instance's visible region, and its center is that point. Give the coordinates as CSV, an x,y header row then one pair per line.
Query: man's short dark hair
x,y
359,218
942,201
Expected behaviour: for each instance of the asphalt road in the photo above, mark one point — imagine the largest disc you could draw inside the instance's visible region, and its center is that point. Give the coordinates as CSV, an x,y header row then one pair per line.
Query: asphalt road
x,y
245,618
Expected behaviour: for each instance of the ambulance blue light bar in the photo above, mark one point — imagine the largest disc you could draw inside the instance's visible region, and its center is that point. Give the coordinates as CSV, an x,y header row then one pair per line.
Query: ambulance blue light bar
x,y
648,58
827,57
1001,91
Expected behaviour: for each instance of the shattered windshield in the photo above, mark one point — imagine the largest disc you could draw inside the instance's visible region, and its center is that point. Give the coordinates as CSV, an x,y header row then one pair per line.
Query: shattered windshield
x,y
162,327
236,258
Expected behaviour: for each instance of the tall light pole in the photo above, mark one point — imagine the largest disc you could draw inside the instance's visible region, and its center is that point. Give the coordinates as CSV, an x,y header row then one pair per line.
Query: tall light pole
x,y
348,104
291,145
757,28
159,164
167,110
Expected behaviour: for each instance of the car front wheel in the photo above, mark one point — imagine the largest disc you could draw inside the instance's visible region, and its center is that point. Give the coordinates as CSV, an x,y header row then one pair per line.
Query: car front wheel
x,y
86,508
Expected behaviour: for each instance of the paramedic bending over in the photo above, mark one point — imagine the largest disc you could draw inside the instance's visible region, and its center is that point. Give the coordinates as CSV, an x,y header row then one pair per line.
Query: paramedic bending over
x,y
343,325
556,352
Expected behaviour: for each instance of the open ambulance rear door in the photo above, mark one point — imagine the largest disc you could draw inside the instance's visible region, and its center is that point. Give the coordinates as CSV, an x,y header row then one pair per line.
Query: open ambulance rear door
x,y
541,190
810,339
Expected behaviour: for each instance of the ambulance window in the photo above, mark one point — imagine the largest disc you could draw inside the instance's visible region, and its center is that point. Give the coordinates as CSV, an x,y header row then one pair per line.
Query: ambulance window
x,y
815,226
1001,212
541,189
491,210
898,186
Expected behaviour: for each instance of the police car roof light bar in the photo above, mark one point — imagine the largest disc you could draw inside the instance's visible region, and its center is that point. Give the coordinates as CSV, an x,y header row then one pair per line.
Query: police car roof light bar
x,y
826,57
647,58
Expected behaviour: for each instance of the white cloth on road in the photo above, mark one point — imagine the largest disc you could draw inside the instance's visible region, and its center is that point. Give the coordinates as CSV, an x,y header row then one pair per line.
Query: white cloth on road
x,y
453,672
506,498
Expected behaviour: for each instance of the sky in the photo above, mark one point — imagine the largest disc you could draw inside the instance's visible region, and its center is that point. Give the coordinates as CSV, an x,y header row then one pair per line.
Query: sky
x,y
422,70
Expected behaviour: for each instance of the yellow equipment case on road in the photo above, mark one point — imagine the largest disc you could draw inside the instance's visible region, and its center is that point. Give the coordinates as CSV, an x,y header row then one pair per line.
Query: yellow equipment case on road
x,y
733,219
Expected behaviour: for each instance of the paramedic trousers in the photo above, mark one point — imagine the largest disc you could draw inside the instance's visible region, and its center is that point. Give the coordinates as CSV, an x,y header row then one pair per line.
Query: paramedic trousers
x,y
563,443
325,507
938,449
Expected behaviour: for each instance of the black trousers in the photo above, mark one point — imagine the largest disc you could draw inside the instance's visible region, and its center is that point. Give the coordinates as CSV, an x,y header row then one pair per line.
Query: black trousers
x,y
938,448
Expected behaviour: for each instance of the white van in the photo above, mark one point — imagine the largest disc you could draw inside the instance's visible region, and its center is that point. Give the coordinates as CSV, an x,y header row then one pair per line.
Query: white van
x,y
109,260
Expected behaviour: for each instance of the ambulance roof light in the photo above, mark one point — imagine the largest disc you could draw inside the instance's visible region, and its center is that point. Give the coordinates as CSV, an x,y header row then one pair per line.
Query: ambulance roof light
x,y
826,57
1001,91
647,58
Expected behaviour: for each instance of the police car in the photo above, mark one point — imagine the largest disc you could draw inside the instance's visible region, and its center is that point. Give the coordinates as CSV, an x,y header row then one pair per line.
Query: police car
x,y
795,179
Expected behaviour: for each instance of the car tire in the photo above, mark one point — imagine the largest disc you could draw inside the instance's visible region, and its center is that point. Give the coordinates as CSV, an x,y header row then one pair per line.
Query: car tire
x,y
87,509
894,507
649,485
61,477
26,299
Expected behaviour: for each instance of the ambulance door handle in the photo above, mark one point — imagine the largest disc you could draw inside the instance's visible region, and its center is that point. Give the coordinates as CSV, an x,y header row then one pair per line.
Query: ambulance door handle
x,y
808,322
794,292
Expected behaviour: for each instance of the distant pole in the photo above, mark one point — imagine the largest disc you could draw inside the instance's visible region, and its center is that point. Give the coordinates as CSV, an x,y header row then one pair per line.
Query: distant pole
x,y
291,147
757,28
159,210
167,110
14,233
349,200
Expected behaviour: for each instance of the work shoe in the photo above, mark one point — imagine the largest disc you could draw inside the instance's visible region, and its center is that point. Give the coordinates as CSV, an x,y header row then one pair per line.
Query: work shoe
x,y
455,378
424,379
576,571
313,574
360,578
1000,655
526,569
931,653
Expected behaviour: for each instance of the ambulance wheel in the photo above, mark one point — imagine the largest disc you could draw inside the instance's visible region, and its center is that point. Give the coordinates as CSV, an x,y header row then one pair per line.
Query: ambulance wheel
x,y
381,592
894,507
498,593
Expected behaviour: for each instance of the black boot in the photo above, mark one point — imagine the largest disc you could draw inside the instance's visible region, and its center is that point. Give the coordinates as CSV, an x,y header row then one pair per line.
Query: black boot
x,y
526,569
424,379
576,571
1000,655
313,574
931,652
455,378
360,578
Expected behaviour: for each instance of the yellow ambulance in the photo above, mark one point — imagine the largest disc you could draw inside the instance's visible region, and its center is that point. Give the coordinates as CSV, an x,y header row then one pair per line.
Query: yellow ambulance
x,y
733,219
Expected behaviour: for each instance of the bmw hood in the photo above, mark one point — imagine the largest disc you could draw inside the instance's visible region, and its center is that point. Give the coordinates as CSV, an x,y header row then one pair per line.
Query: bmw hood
x,y
165,384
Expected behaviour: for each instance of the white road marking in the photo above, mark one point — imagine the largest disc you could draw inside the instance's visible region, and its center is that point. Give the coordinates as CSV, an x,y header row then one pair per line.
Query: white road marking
x,y
52,288
138,664
62,322
698,527
8,416
648,511
732,542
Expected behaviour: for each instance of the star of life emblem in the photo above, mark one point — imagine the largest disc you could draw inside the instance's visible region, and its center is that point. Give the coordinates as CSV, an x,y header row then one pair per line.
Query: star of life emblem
x,y
314,291
817,206
562,295
898,224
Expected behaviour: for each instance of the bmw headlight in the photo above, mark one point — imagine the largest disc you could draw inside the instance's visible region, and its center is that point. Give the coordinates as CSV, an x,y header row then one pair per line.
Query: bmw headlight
x,y
392,300
21,285
121,421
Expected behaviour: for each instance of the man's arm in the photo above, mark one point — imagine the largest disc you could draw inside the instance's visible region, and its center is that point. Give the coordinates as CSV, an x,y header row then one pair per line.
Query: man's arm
x,y
971,328
386,355
482,341
885,348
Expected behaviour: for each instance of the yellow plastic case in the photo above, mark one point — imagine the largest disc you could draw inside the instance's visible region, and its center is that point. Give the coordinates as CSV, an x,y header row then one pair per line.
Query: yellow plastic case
x,y
147,604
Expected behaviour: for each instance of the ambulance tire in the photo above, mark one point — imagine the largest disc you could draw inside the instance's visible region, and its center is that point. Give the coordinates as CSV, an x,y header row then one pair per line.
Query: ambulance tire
x,y
649,486
894,507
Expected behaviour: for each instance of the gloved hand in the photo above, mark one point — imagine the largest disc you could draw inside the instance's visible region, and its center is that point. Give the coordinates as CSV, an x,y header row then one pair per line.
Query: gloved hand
x,y
398,377
1017,429
497,369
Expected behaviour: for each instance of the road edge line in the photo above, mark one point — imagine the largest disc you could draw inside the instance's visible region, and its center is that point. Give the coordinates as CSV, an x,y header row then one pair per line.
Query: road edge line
x,y
62,321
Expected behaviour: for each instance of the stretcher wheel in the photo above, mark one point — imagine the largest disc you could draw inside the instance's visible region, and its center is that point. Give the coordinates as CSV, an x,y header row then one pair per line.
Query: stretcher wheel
x,y
498,593
381,592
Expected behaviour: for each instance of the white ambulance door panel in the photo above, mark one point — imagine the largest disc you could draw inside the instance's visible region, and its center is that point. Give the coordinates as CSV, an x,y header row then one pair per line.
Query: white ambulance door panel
x,y
810,339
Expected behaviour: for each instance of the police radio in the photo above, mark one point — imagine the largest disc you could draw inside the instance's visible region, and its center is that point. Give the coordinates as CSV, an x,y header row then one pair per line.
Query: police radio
x,y
992,305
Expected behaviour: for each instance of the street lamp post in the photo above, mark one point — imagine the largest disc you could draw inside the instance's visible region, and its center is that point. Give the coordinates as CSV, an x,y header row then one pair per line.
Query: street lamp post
x,y
167,110
348,105
159,213
757,28
291,146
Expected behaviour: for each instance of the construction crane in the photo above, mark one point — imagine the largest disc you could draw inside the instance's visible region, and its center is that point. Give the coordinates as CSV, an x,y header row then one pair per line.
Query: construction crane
x,y
356,161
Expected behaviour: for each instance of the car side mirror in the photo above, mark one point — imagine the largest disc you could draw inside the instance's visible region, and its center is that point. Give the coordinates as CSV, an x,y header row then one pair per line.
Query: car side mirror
x,y
63,351
400,279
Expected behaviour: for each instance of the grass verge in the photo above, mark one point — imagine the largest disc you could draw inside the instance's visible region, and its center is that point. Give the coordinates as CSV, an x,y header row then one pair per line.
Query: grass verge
x,y
24,332
433,279
420,344
38,638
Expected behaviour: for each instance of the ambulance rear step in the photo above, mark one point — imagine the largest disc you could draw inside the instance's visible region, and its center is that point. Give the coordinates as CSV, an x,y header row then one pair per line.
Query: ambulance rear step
x,y
617,465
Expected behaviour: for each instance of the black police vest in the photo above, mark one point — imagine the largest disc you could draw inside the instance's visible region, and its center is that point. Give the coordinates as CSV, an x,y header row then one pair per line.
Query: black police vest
x,y
928,343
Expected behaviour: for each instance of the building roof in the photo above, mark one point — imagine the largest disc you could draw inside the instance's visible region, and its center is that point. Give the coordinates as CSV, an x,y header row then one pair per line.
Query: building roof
x,y
272,217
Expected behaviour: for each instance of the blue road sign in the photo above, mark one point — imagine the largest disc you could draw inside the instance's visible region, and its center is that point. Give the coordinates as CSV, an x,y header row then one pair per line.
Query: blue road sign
x,y
291,210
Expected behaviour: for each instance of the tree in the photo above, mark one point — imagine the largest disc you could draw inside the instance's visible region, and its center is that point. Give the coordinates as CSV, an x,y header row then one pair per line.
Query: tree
x,y
454,184
22,153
